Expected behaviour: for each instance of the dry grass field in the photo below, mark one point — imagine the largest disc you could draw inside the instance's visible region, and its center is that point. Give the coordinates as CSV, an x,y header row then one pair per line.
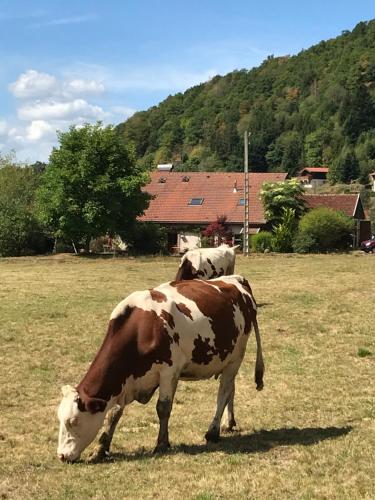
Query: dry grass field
x,y
309,434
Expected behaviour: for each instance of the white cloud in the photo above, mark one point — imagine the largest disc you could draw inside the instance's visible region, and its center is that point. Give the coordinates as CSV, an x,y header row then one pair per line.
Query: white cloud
x,y
58,110
61,21
78,86
40,129
32,84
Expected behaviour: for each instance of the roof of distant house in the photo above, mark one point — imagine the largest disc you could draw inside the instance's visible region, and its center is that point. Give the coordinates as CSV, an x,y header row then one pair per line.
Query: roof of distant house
x,y
220,194
346,203
315,170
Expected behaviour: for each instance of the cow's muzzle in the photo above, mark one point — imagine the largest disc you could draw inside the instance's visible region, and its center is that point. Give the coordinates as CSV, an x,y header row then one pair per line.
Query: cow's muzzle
x,y
64,458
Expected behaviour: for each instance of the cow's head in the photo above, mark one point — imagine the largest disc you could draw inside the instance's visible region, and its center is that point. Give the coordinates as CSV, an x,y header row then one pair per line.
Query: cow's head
x,y
79,423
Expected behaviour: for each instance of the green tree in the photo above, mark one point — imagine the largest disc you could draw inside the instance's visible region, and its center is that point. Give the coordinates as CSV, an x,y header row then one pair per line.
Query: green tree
x,y
92,185
20,233
345,167
314,147
280,196
357,112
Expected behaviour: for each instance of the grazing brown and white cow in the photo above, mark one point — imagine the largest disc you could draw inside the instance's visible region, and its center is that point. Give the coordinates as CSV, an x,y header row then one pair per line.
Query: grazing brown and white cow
x,y
207,263
188,330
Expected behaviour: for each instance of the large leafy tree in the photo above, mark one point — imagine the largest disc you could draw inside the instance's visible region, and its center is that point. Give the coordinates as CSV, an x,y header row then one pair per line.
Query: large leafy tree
x,y
277,197
91,186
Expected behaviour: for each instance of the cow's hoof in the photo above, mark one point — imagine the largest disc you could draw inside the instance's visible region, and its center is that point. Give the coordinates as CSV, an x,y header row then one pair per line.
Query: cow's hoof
x,y
228,428
161,448
212,435
99,455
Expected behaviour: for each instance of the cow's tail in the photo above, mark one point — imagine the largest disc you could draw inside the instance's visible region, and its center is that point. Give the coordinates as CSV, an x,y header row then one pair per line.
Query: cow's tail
x,y
259,365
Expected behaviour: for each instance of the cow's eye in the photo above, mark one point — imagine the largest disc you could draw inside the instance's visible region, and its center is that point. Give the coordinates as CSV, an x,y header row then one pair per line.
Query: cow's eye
x,y
73,421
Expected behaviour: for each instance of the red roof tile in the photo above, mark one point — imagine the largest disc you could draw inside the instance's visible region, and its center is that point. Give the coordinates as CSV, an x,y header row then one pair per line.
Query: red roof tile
x,y
172,196
346,203
318,170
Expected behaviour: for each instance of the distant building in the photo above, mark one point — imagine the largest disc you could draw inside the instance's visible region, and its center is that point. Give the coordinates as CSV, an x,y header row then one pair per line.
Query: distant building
x,y
187,202
350,205
312,177
164,167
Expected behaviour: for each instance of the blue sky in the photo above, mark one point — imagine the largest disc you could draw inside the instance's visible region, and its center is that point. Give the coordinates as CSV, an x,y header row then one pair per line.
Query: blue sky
x,y
67,62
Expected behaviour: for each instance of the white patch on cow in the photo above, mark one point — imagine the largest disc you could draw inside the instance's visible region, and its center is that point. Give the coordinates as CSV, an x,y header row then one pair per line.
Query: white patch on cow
x,y
77,429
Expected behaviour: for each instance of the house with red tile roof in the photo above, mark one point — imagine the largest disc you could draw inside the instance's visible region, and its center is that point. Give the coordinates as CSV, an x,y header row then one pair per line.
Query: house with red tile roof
x,y
187,202
312,177
349,204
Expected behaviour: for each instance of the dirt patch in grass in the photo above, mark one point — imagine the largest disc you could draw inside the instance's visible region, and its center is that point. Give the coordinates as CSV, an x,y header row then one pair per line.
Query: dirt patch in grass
x,y
309,434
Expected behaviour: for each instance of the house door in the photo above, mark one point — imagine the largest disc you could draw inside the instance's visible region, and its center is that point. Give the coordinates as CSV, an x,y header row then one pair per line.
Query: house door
x,y
172,242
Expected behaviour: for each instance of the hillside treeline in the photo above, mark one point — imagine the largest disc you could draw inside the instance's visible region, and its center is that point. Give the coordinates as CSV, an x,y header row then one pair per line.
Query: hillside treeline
x,y
315,108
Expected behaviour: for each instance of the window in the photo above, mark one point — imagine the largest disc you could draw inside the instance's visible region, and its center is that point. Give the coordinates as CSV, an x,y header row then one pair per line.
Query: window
x,y
241,202
196,201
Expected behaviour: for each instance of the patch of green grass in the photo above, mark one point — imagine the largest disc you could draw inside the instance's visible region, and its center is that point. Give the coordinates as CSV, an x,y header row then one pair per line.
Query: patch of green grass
x,y
363,352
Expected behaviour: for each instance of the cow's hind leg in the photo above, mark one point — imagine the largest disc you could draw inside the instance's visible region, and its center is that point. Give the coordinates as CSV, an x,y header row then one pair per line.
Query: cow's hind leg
x,y
105,439
231,422
167,389
226,389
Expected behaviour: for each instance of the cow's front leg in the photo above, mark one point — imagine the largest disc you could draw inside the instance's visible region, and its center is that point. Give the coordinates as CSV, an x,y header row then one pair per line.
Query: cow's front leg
x,y
226,388
102,450
231,422
167,389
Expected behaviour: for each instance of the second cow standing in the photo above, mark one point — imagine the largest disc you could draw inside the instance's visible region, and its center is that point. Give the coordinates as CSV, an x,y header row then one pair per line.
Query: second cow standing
x,y
207,263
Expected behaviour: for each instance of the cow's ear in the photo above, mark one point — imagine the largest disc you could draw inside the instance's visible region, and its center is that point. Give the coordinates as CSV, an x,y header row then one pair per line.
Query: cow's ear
x,y
66,390
94,405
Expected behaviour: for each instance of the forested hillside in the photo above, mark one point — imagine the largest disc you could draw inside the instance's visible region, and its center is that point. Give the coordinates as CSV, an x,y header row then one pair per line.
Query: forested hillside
x,y
315,108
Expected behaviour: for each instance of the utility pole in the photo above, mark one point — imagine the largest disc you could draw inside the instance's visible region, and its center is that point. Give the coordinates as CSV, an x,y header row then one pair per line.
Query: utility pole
x,y
246,195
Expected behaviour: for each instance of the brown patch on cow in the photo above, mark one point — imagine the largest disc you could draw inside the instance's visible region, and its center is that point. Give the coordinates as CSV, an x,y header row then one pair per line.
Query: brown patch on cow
x,y
134,342
184,310
157,296
214,273
168,318
186,271
203,352
176,337
243,301
216,300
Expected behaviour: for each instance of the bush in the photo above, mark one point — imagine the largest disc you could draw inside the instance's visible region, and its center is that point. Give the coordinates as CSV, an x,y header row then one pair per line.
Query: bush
x,y
322,230
284,232
261,241
147,238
